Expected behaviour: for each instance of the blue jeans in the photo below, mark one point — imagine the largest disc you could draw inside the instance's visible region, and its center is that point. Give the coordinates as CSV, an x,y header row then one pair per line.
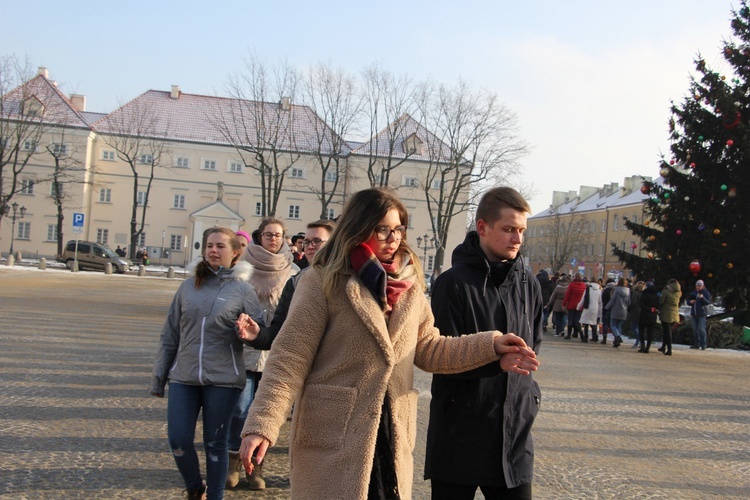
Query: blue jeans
x,y
637,331
184,403
616,325
699,331
239,414
559,320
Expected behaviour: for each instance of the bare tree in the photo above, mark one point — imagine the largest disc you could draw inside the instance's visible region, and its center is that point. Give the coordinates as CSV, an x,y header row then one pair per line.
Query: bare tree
x,y
562,239
388,103
138,138
469,138
332,96
24,110
259,121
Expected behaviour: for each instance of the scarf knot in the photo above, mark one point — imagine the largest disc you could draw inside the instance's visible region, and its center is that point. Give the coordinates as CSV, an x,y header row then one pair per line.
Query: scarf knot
x,y
385,280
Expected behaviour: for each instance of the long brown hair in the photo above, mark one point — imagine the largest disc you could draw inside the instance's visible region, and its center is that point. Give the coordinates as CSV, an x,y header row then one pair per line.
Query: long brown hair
x,y
364,210
203,269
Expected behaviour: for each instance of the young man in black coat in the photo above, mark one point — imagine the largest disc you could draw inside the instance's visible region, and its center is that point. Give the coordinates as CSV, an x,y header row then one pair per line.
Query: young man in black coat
x,y
479,434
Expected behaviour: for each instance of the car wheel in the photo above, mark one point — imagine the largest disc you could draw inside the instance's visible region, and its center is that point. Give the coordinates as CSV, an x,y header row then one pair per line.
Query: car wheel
x,y
69,263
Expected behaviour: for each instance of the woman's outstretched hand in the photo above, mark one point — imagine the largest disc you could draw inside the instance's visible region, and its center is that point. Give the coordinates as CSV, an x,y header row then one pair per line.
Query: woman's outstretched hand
x,y
247,329
515,355
256,445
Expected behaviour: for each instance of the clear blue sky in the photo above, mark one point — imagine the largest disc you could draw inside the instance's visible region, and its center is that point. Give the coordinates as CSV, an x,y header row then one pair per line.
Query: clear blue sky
x,y
590,81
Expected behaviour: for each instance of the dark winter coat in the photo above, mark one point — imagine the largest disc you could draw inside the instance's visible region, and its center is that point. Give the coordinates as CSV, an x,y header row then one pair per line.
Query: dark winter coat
x,y
556,299
546,284
480,420
698,305
669,303
649,306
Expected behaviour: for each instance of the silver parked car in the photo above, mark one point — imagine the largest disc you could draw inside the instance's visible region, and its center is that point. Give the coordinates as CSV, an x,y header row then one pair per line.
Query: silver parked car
x,y
94,255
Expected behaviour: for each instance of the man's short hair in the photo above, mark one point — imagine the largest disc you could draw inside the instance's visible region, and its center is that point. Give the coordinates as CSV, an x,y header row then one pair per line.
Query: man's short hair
x,y
326,224
297,237
498,198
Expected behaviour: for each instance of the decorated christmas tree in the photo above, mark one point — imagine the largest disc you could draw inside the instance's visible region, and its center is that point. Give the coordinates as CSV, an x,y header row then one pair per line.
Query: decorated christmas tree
x,y
696,222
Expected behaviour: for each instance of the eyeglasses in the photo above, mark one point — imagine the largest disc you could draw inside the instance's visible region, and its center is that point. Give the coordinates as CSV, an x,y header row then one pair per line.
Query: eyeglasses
x,y
272,236
315,242
382,233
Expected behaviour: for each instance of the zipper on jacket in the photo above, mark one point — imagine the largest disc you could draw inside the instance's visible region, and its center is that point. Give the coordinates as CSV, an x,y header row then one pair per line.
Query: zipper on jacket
x,y
200,351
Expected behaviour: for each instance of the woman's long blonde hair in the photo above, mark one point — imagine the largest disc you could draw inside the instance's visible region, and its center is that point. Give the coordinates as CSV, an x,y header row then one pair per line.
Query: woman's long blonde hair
x,y
364,210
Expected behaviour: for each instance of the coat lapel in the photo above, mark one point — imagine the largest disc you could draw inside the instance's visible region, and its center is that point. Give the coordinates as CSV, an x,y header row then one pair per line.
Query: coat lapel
x,y
368,310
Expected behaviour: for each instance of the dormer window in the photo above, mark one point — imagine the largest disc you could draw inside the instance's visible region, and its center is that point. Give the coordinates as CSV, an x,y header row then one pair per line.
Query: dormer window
x,y
412,145
32,107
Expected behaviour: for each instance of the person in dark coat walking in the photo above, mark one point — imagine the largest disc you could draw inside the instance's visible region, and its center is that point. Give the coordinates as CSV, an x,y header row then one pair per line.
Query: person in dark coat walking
x,y
649,312
479,435
547,286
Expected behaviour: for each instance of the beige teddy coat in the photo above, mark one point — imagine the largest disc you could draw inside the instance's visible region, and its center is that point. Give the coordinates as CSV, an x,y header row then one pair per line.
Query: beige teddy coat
x,y
337,361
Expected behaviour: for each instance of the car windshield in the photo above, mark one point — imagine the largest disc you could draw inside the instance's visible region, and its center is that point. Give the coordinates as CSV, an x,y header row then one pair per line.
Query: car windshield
x,y
110,253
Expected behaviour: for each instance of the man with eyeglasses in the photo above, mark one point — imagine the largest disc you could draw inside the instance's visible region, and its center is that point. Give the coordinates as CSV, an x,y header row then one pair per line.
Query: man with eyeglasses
x,y
315,238
479,435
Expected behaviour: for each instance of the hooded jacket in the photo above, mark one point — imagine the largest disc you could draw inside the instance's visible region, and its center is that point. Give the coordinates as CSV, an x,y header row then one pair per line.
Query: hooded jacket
x,y
338,360
649,306
669,303
199,344
619,302
574,294
480,420
558,294
593,313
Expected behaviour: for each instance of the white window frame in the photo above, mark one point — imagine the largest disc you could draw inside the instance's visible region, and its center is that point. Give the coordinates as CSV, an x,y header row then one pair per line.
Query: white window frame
x,y
27,186
141,198
409,181
175,242
330,214
616,223
29,146
332,176
182,162
437,183
146,159
23,230
294,212
102,235
258,208
52,188
59,148
52,233
108,155
235,167
604,225
296,173
208,164
105,195
141,240
178,202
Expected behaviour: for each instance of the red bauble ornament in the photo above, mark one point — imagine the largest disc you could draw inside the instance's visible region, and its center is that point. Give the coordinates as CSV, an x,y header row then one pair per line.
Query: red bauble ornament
x,y
645,189
695,267
730,142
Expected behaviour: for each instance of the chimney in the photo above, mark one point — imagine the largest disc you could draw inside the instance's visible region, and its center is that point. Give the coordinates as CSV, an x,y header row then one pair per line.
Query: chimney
x,y
175,92
42,71
286,103
78,101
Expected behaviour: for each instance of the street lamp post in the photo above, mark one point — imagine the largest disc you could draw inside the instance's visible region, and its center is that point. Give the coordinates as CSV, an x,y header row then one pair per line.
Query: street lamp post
x,y
423,242
16,211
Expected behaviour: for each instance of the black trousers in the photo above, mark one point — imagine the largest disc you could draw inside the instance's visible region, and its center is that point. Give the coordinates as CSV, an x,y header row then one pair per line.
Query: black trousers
x,y
451,491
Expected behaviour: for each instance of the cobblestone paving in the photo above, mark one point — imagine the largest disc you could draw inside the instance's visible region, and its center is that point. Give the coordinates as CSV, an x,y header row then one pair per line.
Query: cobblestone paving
x,y
76,421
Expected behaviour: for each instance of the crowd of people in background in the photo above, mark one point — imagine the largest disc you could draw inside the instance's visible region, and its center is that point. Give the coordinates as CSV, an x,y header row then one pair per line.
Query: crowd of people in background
x,y
573,305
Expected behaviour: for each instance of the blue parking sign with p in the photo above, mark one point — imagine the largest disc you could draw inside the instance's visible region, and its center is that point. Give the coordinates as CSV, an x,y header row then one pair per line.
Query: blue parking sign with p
x,y
77,220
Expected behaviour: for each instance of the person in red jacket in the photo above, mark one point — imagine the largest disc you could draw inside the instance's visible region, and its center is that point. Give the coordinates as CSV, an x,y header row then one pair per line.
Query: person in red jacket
x,y
573,296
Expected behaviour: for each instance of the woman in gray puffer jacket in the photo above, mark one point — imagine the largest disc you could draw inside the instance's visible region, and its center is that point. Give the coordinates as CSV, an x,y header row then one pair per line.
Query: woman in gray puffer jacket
x,y
618,306
200,354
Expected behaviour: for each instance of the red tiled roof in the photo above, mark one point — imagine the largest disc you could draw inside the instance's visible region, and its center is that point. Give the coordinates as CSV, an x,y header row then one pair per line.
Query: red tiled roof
x,y
58,110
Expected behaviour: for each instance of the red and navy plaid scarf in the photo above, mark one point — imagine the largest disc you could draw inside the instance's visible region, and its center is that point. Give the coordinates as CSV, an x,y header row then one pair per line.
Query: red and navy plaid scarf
x,y
384,279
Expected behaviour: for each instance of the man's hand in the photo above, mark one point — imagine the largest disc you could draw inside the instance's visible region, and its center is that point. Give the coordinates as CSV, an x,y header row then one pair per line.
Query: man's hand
x,y
515,355
247,329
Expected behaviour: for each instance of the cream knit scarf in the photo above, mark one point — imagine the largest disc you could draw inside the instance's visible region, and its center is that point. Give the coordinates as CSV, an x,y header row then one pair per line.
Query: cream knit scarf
x,y
270,271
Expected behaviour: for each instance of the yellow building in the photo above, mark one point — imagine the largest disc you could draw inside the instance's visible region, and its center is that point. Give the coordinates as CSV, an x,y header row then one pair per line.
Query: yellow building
x,y
576,232
204,171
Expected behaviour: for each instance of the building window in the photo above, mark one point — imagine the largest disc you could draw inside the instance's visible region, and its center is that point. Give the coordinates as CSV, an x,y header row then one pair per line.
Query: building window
x,y
24,231
108,155
141,198
258,208
593,226
105,195
28,146
51,232
141,240
635,219
235,166
437,184
297,173
27,186
622,246
604,225
409,181
55,189
615,223
182,162
209,164
329,214
294,211
175,242
430,262
332,176
59,149
601,249
179,201
102,236
146,159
